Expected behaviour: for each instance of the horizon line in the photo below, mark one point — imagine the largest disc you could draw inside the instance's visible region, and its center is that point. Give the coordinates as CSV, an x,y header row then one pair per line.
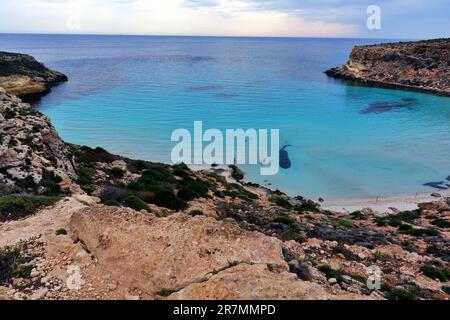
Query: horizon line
x,y
208,36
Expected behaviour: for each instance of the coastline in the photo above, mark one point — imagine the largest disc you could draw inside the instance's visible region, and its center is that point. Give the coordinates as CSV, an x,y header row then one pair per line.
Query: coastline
x,y
384,204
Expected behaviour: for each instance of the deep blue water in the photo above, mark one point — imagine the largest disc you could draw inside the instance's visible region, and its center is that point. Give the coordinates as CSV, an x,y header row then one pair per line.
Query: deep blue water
x,y
128,93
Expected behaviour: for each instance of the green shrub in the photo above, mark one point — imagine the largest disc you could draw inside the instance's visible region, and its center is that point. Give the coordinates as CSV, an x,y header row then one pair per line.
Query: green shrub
x,y
85,174
442,274
403,294
137,166
359,278
439,251
112,193
88,155
235,190
23,271
195,213
404,227
307,206
397,219
61,232
9,114
181,170
169,200
111,203
13,264
441,223
187,194
135,203
423,232
21,205
346,224
157,179
358,215
116,173
377,255
50,182
284,220
8,263
330,272
282,202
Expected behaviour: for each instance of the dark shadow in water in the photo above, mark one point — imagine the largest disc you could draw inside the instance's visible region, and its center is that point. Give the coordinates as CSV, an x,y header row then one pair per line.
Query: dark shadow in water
x,y
285,162
205,88
437,185
380,107
226,95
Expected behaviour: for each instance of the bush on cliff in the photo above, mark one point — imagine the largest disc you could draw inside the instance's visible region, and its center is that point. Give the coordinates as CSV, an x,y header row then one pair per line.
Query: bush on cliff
x,y
13,264
193,188
169,200
88,155
442,274
282,202
235,190
112,193
135,203
154,180
116,173
17,206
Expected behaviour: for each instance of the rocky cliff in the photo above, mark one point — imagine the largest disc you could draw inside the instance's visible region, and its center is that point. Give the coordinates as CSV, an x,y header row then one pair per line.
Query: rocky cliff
x,y
29,145
23,76
422,66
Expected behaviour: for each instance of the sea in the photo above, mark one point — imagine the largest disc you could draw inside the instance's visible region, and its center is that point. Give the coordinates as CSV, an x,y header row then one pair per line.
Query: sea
x,y
127,94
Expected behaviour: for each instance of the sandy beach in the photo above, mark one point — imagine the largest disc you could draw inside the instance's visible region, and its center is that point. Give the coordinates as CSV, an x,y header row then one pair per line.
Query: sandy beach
x,y
384,204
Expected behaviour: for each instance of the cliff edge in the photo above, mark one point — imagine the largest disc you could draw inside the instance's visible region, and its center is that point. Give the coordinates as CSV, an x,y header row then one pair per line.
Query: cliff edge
x,y
418,66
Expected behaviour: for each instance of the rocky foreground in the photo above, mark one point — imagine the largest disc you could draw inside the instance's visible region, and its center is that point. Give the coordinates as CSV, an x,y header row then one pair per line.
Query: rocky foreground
x,y
81,223
420,66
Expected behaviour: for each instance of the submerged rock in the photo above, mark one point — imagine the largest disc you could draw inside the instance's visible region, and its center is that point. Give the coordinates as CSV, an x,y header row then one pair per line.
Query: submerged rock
x,y
380,107
285,162
437,185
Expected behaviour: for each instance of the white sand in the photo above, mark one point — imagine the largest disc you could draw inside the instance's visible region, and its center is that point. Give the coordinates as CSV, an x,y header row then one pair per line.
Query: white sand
x,y
382,204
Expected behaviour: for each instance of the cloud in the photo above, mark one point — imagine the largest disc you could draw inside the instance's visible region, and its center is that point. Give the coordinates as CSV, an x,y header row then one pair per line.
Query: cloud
x,y
225,17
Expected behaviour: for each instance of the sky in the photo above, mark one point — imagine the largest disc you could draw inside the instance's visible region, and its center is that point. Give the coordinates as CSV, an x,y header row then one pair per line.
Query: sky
x,y
400,19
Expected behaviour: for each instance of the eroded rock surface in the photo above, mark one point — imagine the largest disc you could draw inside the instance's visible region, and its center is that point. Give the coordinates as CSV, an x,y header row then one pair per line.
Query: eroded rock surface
x,y
422,65
29,144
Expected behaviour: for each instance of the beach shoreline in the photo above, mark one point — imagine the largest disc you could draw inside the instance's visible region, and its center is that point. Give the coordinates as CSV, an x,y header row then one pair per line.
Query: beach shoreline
x,y
381,204
384,204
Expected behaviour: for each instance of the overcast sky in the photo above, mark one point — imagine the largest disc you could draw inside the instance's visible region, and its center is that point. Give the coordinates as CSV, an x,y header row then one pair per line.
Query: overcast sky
x,y
313,18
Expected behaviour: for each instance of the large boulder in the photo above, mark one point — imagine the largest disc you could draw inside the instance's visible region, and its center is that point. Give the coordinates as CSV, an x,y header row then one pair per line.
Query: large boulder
x,y
187,257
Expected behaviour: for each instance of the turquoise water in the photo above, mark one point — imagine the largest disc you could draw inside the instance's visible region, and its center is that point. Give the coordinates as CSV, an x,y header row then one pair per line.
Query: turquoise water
x,y
127,94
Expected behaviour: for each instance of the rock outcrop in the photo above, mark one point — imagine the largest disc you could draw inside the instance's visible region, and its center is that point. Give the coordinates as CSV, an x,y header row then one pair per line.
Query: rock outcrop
x,y
183,257
420,66
29,144
22,75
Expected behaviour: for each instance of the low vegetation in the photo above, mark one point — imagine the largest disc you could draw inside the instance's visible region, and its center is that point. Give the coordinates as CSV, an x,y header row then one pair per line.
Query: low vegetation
x,y
13,264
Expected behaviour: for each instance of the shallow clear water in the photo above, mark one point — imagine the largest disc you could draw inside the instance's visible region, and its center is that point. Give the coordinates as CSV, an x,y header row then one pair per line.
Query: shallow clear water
x,y
127,94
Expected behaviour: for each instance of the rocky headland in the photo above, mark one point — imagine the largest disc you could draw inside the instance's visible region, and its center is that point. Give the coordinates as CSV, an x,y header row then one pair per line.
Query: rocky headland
x,y
23,76
82,223
418,66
